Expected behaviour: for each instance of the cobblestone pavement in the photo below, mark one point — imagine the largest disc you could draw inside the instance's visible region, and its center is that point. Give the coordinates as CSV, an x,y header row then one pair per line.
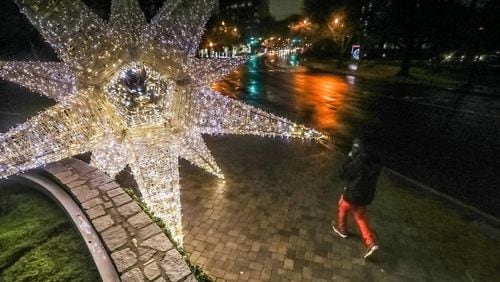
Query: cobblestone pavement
x,y
270,221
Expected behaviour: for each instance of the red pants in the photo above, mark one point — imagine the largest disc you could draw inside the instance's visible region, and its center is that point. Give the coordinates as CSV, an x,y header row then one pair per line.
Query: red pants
x,y
359,215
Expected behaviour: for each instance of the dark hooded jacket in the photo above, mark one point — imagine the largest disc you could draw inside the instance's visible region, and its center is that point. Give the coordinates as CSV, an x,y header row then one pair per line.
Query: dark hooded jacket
x,y
361,174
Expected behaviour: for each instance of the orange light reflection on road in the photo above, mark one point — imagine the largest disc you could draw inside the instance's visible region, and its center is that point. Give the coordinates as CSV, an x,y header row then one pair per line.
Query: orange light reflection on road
x,y
319,97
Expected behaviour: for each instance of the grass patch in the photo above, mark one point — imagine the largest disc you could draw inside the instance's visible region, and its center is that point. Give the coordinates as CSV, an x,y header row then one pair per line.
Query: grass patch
x,y
37,240
387,72
431,235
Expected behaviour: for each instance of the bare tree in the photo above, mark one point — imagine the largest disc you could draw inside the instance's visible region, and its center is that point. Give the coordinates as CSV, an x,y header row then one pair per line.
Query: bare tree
x,y
341,32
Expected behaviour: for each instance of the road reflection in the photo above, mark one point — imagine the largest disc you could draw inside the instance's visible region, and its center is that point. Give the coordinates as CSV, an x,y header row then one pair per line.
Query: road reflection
x,y
281,85
319,97
253,81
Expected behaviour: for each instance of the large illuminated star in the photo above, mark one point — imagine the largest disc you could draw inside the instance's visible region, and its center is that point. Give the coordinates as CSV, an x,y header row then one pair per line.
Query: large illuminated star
x,y
130,92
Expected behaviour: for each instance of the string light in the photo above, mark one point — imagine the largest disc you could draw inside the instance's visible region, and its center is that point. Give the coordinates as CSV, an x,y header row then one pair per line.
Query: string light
x,y
131,93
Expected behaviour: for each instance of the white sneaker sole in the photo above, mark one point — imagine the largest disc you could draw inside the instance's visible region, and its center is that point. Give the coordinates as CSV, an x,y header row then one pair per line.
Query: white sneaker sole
x,y
371,251
338,232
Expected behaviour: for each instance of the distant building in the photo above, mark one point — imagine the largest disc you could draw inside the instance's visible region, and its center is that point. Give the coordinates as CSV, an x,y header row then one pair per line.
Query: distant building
x,y
246,13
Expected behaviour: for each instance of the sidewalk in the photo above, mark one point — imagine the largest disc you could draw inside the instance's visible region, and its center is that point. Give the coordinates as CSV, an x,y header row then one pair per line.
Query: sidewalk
x,y
270,221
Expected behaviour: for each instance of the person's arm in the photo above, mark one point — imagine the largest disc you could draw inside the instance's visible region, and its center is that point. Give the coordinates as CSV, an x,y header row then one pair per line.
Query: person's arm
x,y
351,169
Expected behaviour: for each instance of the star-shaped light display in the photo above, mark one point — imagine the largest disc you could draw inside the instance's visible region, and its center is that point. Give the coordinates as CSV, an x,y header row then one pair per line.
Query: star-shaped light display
x,y
131,93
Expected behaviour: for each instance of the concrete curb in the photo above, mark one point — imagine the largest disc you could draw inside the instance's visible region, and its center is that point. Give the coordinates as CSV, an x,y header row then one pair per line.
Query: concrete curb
x,y
413,183
94,244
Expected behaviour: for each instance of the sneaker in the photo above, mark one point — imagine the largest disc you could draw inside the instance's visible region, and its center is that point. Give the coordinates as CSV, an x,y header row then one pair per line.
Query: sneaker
x,y
338,231
371,250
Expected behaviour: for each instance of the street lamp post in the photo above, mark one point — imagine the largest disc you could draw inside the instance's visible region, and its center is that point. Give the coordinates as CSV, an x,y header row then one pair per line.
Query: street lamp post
x,y
341,34
211,50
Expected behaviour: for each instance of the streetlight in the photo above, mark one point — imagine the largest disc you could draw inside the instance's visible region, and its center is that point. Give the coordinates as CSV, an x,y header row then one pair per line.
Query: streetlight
x,y
341,34
211,52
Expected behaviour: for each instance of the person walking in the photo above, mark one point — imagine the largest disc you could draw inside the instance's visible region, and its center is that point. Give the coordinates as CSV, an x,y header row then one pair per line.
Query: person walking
x,y
360,172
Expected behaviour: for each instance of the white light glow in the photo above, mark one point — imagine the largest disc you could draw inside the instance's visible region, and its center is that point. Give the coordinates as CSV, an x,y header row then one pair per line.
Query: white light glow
x,y
131,93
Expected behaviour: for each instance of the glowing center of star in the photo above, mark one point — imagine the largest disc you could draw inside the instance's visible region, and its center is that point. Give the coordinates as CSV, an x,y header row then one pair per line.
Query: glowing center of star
x,y
135,82
141,95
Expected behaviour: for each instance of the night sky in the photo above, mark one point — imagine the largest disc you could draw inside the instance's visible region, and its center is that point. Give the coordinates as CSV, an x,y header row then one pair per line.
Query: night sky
x,y
281,9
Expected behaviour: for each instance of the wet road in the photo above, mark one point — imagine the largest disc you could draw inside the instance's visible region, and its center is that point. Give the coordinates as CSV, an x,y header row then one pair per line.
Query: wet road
x,y
444,139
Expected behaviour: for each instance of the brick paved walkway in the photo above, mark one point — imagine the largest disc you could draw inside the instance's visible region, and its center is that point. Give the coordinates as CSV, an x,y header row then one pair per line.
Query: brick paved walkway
x,y
270,221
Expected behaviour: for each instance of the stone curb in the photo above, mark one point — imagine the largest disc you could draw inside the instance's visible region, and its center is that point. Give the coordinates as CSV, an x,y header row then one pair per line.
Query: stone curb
x,y
61,197
139,249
